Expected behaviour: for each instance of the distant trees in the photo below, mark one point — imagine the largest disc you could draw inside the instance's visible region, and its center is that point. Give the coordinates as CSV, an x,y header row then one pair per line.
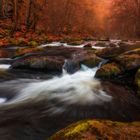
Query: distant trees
x,y
4,8
125,17
73,16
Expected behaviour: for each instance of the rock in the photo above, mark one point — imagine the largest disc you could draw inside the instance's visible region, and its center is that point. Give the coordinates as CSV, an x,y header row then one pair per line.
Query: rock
x,y
23,51
101,44
112,45
90,60
76,43
99,129
108,70
45,63
88,46
137,81
33,43
114,52
37,58
129,60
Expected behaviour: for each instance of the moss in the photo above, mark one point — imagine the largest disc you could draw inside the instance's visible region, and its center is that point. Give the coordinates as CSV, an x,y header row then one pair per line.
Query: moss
x,y
81,127
91,62
22,51
108,70
99,129
33,43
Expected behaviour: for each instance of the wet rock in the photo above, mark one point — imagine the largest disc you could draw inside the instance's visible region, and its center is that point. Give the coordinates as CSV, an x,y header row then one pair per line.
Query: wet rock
x,y
45,63
114,52
129,60
23,51
51,58
88,46
108,70
112,45
90,60
102,44
76,43
99,129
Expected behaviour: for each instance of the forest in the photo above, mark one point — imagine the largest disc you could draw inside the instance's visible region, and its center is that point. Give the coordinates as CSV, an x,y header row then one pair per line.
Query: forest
x,y
69,69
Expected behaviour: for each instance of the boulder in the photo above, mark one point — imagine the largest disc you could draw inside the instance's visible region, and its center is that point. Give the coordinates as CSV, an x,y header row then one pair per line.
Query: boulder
x,y
90,60
115,51
99,129
23,51
51,58
129,60
101,44
88,46
45,63
108,70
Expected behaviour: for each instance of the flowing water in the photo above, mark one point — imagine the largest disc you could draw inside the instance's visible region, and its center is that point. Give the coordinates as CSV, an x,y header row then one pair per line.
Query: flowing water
x,y
80,88
32,109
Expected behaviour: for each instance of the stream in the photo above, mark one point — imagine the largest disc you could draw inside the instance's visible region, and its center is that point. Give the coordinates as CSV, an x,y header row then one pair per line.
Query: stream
x,y
34,109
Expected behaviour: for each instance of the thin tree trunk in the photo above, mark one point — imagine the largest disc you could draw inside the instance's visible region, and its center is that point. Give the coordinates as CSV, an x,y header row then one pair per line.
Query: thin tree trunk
x,y
28,15
15,16
1,8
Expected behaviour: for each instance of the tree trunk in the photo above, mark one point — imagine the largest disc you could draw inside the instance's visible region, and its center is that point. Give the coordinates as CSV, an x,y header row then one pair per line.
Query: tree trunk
x,y
1,8
28,15
15,17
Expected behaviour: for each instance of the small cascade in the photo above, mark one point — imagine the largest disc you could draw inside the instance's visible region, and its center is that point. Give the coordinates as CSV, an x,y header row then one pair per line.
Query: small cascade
x,y
78,89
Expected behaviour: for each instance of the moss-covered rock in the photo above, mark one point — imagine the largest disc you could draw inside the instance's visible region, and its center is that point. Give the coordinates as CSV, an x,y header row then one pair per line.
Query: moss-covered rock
x,y
45,63
108,70
99,130
90,60
22,51
33,43
112,52
129,60
137,81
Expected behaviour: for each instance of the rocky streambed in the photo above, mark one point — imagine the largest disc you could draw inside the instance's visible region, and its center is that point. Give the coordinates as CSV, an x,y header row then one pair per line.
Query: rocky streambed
x,y
46,88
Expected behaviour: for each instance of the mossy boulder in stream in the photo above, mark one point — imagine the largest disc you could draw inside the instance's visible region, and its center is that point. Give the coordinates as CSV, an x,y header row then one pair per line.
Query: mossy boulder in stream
x,y
112,52
90,60
99,130
137,80
108,70
129,60
23,51
45,63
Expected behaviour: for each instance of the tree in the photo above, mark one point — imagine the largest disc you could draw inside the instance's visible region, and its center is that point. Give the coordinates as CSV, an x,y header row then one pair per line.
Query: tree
x,y
126,17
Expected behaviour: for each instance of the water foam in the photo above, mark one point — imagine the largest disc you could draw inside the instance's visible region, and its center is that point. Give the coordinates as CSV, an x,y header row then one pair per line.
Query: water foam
x,y
80,88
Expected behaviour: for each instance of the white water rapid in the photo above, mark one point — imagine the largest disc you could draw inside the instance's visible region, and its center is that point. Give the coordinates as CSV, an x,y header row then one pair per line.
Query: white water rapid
x,y
80,88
